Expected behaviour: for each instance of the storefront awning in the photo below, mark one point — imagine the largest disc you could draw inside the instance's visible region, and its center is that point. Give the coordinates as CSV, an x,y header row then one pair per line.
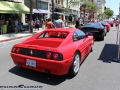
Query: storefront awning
x,y
60,13
41,11
12,7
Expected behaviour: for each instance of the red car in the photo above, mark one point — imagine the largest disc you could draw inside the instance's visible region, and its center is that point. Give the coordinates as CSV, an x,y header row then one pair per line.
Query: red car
x,y
111,22
54,51
106,25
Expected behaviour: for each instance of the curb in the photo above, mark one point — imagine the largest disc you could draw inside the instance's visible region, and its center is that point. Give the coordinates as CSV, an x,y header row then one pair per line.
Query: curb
x,y
5,40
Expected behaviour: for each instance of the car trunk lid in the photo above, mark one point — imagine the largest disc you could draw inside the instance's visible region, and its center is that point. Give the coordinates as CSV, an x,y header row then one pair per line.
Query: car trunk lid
x,y
45,42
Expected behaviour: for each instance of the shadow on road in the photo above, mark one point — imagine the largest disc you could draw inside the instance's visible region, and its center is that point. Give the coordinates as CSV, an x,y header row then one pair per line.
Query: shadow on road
x,y
38,76
109,52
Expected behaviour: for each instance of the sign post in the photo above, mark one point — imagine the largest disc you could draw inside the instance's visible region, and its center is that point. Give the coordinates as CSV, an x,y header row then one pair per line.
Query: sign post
x,y
118,39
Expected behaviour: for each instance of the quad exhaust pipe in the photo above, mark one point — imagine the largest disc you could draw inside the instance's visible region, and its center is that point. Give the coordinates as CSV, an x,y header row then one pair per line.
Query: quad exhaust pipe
x,y
47,71
19,65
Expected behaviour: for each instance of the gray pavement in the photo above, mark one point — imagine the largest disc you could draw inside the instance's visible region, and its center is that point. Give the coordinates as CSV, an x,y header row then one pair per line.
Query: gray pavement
x,y
97,72
12,36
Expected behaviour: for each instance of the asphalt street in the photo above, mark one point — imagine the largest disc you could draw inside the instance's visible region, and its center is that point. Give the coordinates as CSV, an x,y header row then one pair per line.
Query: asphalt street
x,y
98,71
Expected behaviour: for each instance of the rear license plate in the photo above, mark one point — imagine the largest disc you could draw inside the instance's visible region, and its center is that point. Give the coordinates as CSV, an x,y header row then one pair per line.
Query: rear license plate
x,y
31,63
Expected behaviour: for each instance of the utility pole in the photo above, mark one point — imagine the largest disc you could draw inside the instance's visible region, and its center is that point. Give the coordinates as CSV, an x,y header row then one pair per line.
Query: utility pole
x,y
52,10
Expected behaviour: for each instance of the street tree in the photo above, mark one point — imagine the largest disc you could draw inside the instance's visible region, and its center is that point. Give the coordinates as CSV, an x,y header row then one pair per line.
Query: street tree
x,y
32,5
102,16
109,13
91,7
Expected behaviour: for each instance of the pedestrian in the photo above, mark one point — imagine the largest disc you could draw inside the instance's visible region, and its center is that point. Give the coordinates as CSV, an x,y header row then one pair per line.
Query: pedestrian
x,y
43,24
37,23
16,28
117,24
77,23
31,24
81,22
50,24
59,23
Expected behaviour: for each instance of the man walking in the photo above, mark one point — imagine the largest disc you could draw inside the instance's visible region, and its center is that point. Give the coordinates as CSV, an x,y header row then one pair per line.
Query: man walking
x,y
117,24
59,23
78,23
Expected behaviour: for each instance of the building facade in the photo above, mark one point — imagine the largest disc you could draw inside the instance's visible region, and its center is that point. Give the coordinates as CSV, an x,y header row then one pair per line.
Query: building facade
x,y
101,5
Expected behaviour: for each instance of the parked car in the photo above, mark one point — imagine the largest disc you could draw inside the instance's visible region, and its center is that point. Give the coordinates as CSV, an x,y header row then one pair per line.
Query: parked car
x,y
106,25
96,28
111,22
54,51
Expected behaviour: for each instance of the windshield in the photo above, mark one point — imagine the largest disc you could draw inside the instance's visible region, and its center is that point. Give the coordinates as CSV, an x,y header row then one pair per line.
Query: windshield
x,y
91,24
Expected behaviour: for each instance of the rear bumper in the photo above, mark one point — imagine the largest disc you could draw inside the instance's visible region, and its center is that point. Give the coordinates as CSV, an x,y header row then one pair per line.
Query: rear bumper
x,y
98,34
55,67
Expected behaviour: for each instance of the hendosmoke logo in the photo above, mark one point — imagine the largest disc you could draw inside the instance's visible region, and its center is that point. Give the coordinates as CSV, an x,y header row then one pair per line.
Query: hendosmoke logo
x,y
21,87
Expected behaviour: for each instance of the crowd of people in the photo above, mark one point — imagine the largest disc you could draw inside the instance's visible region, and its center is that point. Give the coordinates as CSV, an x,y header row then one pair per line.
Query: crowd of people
x,y
15,26
47,24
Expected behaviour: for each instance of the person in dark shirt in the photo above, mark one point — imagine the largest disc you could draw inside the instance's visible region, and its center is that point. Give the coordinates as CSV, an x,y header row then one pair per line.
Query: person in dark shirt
x,y
77,24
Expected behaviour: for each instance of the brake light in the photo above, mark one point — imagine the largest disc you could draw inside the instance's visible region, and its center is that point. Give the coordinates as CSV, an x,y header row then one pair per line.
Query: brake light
x,y
55,56
17,50
49,55
14,50
98,28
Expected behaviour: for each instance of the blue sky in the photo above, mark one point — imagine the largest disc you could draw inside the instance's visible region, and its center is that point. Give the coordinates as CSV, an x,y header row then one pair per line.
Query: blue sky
x,y
113,5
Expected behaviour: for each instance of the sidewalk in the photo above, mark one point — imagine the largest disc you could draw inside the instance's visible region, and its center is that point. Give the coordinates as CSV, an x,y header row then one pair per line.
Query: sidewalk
x,y
12,36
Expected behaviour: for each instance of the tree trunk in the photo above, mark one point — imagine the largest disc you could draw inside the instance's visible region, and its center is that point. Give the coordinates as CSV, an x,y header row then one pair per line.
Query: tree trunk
x,y
30,23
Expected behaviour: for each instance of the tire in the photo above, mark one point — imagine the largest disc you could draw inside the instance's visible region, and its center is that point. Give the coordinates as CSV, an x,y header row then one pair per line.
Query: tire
x,y
92,47
102,38
74,68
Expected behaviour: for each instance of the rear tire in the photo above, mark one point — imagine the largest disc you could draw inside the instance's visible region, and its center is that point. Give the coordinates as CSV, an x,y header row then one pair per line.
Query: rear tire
x,y
102,37
74,68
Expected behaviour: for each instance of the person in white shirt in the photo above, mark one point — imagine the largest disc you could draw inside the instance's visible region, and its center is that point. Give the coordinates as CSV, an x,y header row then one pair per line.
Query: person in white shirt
x,y
59,23
37,23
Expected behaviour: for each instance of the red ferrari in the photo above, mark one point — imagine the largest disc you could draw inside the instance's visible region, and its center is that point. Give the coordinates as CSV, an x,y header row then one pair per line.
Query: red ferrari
x,y
105,24
54,51
111,22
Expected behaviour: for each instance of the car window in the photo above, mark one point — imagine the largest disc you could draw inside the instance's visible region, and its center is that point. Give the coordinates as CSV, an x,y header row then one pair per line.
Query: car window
x,y
78,33
91,24
52,34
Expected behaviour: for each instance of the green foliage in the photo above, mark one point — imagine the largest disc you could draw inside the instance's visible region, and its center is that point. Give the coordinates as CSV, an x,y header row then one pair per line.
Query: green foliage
x,y
91,6
102,15
109,12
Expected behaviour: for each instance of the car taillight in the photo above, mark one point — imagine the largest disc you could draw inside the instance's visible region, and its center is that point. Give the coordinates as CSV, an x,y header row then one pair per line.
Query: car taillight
x,y
16,50
98,28
55,56
49,55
